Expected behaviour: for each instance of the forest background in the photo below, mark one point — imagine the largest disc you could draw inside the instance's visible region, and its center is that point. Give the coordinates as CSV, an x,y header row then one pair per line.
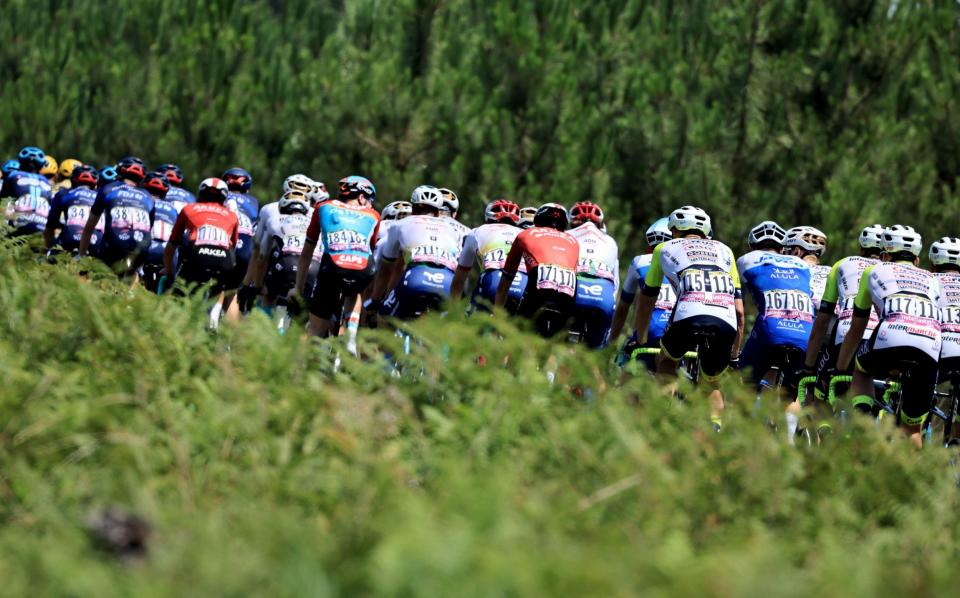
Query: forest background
x,y
835,113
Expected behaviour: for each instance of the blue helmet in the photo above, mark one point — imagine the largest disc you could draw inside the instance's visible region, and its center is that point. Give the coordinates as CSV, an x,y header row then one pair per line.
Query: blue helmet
x,y
237,179
108,174
9,166
353,186
31,156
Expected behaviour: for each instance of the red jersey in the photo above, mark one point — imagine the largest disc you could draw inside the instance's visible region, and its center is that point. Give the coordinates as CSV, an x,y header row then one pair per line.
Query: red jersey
x,y
206,225
550,256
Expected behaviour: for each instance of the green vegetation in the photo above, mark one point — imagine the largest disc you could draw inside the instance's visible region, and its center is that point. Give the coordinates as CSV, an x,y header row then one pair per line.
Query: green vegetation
x,y
827,112
262,471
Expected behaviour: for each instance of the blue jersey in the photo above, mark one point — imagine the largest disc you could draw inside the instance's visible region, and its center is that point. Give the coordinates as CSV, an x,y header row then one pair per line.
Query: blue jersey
x,y
666,300
71,208
128,218
780,287
347,233
180,197
247,209
164,216
29,195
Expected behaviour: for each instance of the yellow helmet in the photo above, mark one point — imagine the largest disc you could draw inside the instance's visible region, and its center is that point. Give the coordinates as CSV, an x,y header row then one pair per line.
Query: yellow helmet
x,y
67,166
50,168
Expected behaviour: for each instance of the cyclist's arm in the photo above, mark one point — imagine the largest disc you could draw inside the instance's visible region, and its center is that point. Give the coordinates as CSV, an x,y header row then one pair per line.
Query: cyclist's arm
x,y
827,311
175,240
628,292
53,221
464,265
95,212
738,308
310,241
509,272
858,324
648,295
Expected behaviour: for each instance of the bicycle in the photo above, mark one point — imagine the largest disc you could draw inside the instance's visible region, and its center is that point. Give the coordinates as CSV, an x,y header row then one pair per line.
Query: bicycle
x,y
949,415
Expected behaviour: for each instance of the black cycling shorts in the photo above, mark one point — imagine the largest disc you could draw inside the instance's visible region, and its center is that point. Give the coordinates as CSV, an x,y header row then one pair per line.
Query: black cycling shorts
x,y
334,284
550,310
680,337
918,387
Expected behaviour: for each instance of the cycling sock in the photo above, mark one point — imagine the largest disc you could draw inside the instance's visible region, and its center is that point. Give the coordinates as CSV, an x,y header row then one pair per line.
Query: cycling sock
x,y
716,421
863,403
792,422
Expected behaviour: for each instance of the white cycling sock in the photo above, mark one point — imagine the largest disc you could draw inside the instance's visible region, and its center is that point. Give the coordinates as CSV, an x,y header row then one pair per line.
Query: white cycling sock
x,y
792,422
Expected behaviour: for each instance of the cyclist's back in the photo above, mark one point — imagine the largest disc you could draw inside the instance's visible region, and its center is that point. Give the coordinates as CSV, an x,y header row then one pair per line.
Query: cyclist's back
x,y
598,274
26,193
945,257
488,245
205,238
282,242
71,208
128,213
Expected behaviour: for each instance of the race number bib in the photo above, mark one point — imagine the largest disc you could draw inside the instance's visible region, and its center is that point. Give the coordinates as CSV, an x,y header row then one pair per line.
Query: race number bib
x,y
709,287
594,268
245,224
905,305
787,304
432,254
130,218
557,278
212,236
161,231
495,259
347,240
293,244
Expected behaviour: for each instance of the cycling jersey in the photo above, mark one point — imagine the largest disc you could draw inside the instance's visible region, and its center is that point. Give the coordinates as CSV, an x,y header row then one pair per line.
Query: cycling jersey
x,y
283,240
385,226
180,197
950,314
29,196
666,300
489,244
599,255
818,282
128,218
780,287
347,232
461,229
703,275
551,258
164,217
908,302
598,276
206,235
71,209
840,291
247,209
424,240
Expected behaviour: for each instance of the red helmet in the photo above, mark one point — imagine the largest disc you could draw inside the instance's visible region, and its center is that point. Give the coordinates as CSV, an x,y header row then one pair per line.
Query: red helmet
x,y
156,184
212,189
502,210
586,210
84,175
131,168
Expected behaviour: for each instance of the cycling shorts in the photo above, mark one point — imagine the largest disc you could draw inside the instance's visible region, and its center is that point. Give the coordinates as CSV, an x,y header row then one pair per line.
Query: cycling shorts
x,y
918,387
281,276
759,354
680,337
333,284
123,263
422,288
594,304
486,290
233,278
549,310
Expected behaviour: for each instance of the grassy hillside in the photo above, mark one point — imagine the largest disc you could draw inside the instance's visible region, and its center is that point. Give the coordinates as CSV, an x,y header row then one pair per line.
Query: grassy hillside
x,y
262,471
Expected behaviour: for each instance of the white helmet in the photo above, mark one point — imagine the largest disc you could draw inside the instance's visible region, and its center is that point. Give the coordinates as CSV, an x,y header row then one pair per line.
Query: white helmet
x,y
294,200
811,240
298,182
945,251
451,202
690,218
899,237
427,195
871,237
768,230
396,210
659,232
318,192
526,216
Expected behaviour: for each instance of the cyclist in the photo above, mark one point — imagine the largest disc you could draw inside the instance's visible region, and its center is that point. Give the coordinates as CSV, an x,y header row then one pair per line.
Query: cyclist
x,y
836,308
908,337
809,244
27,194
489,245
451,209
430,248
50,169
392,212
347,229
526,217
164,217
945,257
205,238
128,218
269,221
177,195
69,211
64,174
704,276
247,209
598,274
107,175
657,233
551,256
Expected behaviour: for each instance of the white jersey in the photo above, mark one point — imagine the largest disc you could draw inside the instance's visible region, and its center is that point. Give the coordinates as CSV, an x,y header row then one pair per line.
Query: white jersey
x,y
950,314
599,254
489,244
908,301
703,275
841,289
461,229
268,214
285,235
424,240
818,283
385,226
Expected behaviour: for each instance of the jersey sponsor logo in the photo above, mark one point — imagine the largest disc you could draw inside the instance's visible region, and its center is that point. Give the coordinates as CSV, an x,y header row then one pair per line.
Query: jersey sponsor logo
x,y
212,251
434,277
591,289
782,274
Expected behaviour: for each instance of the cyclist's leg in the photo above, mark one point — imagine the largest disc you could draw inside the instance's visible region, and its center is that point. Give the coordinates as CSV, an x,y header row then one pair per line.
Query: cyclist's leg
x,y
595,303
554,313
715,360
485,291
421,288
326,299
676,340
869,363
917,392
